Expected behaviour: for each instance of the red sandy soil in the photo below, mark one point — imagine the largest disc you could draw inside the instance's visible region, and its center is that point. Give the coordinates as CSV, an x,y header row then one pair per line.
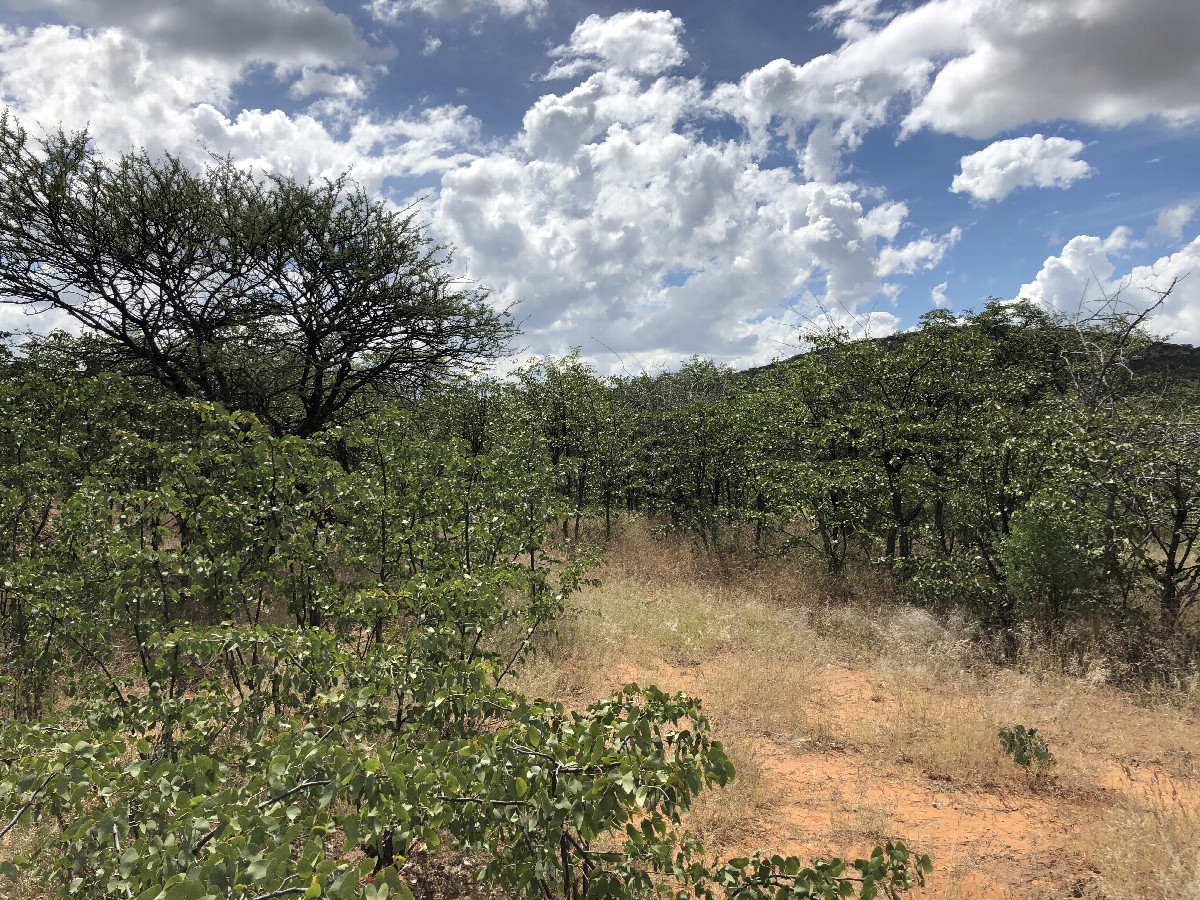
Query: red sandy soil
x,y
1015,837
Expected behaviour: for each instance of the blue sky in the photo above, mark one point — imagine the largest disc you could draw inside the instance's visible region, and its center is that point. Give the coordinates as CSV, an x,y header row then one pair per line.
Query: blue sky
x,y
712,179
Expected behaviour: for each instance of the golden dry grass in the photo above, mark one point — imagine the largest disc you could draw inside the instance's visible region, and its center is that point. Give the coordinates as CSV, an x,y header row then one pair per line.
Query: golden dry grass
x,y
1148,847
853,719
23,842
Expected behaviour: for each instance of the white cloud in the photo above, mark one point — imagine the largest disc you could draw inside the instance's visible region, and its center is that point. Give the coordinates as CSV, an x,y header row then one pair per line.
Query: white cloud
x,y
1004,166
1083,275
826,105
1104,62
608,221
127,96
16,320
975,68
647,43
1119,240
835,99
371,148
938,295
885,220
557,126
159,73
109,82
824,321
321,81
391,11
1172,219
924,253
609,215
852,18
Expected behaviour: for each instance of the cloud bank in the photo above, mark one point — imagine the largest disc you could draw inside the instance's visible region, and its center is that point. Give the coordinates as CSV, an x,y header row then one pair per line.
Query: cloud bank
x,y
1083,276
654,213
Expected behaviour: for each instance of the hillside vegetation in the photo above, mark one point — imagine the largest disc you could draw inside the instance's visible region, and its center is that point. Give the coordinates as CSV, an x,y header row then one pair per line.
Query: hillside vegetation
x,y
246,665
295,603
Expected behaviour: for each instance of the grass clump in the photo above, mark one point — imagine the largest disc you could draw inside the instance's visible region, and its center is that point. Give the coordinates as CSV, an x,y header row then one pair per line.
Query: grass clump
x,y
1148,848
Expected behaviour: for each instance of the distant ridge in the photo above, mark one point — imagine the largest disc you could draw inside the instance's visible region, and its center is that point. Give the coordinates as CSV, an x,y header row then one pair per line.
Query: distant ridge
x,y
1180,362
1173,362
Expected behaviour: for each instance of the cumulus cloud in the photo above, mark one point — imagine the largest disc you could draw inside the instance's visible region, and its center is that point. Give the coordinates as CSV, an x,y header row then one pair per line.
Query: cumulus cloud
x,y
924,253
1104,62
938,295
391,11
607,220
107,81
1172,219
1004,166
975,68
611,214
608,216
321,81
1083,277
111,83
872,324
372,148
16,320
852,18
136,71
825,106
557,126
647,43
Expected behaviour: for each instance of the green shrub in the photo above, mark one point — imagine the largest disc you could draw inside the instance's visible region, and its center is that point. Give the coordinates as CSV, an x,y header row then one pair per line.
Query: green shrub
x,y
261,673
1027,749
1049,568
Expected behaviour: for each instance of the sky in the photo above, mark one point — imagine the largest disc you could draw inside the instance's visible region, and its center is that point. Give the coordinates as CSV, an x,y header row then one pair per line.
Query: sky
x,y
716,178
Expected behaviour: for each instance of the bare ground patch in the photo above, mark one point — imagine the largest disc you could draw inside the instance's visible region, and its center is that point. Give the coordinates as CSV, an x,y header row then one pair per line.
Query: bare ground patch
x,y
853,721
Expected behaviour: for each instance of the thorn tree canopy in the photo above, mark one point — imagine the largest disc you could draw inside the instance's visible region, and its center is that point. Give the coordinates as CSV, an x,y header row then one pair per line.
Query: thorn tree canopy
x,y
297,301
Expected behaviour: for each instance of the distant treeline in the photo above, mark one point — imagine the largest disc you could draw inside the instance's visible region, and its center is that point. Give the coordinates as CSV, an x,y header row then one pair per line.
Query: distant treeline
x,y
1022,464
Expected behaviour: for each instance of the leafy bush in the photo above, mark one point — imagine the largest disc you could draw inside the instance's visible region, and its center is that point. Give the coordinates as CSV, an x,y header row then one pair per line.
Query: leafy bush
x,y
1049,568
248,671
1027,748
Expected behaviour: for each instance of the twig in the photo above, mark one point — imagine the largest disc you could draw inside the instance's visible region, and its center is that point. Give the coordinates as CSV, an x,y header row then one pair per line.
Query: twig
x,y
282,891
28,803
295,790
533,857
483,801
116,842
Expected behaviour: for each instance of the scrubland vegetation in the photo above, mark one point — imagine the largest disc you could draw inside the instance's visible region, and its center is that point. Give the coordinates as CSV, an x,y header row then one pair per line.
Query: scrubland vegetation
x,y
850,715
295,604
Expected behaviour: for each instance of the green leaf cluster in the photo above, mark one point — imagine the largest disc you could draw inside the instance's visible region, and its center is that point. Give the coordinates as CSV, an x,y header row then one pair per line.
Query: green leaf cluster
x,y
1028,749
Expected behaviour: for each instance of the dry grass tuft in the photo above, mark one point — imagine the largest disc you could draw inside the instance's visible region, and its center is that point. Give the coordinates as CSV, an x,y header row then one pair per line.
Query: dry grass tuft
x,y
765,693
853,719
24,842
719,817
951,735
1148,849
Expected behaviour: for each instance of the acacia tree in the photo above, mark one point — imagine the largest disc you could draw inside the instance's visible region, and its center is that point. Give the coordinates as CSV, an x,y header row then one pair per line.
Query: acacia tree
x,y
294,300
